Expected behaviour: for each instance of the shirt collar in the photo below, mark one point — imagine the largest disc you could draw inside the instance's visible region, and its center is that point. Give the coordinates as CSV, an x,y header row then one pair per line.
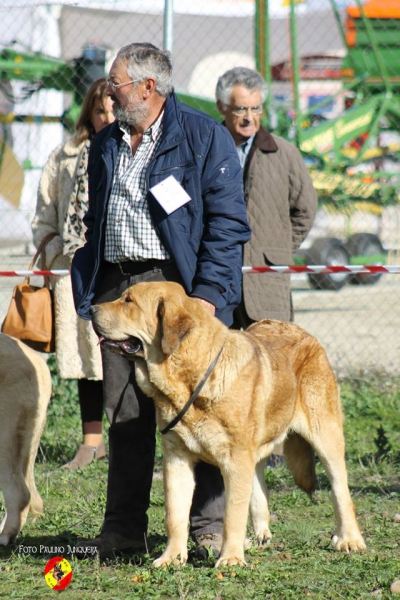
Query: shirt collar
x,y
152,133
243,150
245,146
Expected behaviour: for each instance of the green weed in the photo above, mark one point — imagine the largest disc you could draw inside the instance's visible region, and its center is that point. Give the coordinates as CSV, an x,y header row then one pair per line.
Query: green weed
x,y
299,563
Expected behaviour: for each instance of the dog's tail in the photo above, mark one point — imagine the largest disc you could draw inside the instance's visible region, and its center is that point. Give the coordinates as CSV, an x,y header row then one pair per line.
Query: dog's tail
x,y
300,460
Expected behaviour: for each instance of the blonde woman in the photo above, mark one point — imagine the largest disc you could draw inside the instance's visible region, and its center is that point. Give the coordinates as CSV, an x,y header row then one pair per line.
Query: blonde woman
x,y
61,204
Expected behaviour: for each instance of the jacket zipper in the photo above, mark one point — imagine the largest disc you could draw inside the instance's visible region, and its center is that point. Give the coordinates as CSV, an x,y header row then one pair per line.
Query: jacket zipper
x,y
97,263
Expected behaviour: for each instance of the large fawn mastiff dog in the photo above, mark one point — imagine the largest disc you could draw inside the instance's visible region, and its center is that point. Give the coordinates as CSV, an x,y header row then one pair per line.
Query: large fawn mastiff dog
x,y
25,388
269,384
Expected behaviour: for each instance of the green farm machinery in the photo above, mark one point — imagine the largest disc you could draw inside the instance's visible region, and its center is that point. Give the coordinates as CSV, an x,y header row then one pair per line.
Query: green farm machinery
x,y
348,156
36,72
353,158
48,73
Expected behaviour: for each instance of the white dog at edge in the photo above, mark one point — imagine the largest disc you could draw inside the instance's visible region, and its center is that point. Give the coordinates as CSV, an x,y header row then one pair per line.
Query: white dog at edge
x,y
25,389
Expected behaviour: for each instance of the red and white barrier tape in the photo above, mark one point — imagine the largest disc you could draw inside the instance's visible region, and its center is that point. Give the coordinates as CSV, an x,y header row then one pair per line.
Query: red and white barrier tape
x,y
31,273
322,269
316,269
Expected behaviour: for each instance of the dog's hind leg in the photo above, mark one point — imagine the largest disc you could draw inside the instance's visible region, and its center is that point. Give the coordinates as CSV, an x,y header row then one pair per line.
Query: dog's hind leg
x,y
36,503
259,511
178,475
321,425
330,446
16,499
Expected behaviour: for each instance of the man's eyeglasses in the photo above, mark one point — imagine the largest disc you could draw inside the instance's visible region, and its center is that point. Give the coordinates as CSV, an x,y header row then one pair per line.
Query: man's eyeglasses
x,y
116,86
241,111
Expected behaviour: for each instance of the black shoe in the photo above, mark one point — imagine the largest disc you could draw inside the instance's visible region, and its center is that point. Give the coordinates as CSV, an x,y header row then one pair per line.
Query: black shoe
x,y
208,545
107,545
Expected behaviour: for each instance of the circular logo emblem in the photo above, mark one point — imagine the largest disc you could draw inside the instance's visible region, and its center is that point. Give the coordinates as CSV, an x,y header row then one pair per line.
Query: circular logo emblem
x,y
58,573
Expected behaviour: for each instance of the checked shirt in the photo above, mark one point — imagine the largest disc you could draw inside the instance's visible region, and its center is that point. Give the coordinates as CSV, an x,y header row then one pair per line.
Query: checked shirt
x,y
130,234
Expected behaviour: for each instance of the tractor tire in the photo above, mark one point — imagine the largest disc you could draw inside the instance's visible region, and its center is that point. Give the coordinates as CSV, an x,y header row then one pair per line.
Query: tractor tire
x,y
328,251
365,244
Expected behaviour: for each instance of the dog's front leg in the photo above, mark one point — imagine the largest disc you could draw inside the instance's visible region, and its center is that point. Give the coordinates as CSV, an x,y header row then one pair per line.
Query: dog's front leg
x,y
178,488
238,479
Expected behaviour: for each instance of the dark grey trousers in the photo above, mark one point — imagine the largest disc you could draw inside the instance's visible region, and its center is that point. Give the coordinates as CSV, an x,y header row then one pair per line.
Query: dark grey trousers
x,y
132,429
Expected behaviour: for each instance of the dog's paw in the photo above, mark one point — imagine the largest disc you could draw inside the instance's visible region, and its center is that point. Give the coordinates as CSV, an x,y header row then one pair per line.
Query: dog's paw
x,y
343,544
247,543
168,559
230,561
264,538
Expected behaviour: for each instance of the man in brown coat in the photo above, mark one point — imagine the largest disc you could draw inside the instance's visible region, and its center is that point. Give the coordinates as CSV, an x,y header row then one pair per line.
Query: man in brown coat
x,y
281,200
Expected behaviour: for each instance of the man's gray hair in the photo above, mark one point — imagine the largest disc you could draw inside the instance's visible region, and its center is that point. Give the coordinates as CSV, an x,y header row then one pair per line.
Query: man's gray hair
x,y
251,80
145,60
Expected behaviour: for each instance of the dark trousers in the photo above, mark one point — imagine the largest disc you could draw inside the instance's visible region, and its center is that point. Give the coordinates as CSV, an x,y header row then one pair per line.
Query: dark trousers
x,y
241,319
90,393
132,429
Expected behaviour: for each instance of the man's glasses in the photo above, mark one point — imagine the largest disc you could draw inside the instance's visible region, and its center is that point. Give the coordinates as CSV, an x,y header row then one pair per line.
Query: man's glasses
x,y
241,111
116,86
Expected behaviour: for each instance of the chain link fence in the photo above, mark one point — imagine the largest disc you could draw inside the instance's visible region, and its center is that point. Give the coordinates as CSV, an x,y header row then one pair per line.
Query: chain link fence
x,y
333,69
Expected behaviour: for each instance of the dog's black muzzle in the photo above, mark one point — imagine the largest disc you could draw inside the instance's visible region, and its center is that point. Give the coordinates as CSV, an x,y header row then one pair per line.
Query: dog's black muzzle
x,y
130,346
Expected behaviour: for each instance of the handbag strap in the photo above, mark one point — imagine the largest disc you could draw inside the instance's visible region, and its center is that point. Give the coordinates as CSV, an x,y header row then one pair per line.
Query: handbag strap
x,y
41,250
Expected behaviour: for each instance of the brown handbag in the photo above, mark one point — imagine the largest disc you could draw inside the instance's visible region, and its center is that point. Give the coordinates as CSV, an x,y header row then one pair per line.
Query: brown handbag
x,y
30,315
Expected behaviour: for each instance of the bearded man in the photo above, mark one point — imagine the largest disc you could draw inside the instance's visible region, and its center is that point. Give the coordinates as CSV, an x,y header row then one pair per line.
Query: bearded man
x,y
190,229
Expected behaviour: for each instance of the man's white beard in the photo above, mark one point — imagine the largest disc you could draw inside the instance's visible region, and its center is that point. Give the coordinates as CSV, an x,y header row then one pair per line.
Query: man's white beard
x,y
134,116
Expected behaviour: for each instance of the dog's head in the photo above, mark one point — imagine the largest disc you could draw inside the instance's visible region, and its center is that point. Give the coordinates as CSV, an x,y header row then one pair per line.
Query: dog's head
x,y
153,314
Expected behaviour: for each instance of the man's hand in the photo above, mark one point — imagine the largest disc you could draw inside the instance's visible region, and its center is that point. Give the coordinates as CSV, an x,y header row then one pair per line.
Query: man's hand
x,y
210,307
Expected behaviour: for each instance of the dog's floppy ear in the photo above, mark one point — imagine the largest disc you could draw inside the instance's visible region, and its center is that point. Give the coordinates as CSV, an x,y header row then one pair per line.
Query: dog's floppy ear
x,y
175,322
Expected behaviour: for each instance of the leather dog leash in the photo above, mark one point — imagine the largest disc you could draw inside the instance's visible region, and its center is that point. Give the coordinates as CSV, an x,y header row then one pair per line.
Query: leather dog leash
x,y
193,396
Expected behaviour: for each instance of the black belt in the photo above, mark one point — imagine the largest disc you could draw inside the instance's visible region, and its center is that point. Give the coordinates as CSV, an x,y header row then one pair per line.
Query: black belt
x,y
130,267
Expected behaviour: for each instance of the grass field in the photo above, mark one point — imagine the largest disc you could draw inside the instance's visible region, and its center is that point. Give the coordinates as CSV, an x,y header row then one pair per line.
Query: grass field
x,y
298,564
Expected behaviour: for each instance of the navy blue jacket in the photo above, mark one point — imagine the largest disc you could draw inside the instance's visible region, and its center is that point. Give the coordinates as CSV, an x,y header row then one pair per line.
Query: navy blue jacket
x,y
205,236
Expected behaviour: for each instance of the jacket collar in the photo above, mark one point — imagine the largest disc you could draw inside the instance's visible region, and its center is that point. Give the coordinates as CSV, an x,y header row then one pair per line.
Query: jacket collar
x,y
71,148
172,133
264,141
172,130
111,136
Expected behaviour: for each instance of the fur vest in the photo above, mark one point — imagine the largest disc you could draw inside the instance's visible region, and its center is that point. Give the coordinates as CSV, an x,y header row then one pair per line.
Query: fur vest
x,y
77,350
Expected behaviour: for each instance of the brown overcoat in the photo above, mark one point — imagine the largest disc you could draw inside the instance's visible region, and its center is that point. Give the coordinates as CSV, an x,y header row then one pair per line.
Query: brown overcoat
x,y
281,207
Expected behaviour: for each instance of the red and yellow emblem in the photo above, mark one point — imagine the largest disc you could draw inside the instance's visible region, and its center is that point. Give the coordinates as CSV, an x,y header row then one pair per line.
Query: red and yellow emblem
x,y
58,573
